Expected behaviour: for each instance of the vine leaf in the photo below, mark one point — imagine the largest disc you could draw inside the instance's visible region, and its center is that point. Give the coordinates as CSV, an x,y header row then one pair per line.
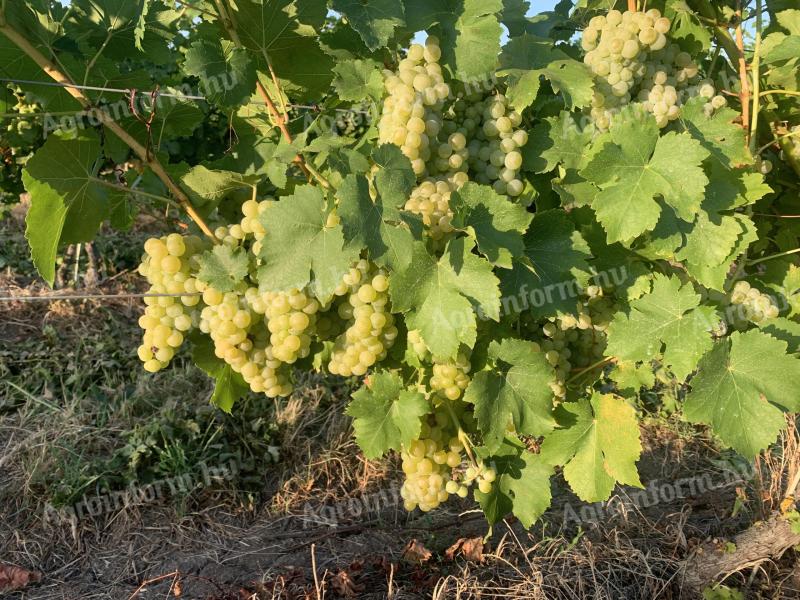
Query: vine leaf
x,y
667,322
515,389
553,269
373,224
528,58
300,248
223,267
358,79
496,223
395,178
68,204
557,141
387,417
229,385
469,33
283,35
638,165
375,21
227,75
440,297
598,444
724,139
742,387
522,486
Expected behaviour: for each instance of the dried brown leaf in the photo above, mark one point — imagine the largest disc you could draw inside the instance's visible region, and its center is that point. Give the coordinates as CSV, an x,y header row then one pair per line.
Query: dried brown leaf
x,y
415,552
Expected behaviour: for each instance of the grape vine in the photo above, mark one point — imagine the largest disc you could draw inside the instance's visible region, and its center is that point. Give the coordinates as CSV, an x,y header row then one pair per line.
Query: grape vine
x,y
531,228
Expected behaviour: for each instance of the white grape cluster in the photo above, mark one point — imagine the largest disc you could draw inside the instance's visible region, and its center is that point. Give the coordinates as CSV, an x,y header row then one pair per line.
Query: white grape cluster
x,y
757,307
431,201
235,323
411,115
291,317
432,466
633,61
575,340
371,331
451,378
495,139
168,265
417,344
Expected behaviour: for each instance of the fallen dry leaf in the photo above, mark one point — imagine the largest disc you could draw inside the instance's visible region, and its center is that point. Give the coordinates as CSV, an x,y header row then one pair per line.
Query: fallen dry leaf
x,y
16,578
416,553
344,585
469,548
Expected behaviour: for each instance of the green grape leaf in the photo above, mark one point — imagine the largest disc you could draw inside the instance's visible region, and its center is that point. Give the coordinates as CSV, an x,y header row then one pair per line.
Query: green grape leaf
x,y
496,223
223,267
440,297
528,58
205,187
630,377
513,16
141,25
742,387
386,416
356,80
469,34
598,444
522,486
687,27
299,248
373,224
552,272
514,389
227,75
558,141
714,277
724,139
668,322
229,385
375,21
68,202
395,178
639,165
282,36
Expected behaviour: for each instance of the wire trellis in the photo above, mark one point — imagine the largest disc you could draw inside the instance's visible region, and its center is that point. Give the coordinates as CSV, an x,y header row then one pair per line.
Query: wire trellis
x,y
129,91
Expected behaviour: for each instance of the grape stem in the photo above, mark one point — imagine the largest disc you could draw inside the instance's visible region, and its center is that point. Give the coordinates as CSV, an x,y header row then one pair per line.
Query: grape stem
x,y
462,435
770,257
744,94
632,5
151,161
600,363
227,23
782,92
756,76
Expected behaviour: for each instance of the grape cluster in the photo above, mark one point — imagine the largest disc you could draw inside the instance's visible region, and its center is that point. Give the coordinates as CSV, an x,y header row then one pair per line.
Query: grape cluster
x,y
417,344
431,200
432,466
290,318
575,340
412,110
757,307
495,140
451,378
633,61
450,141
168,266
370,331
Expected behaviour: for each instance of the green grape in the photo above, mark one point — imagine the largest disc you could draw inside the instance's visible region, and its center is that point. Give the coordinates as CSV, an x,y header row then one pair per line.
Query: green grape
x,y
370,332
168,265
